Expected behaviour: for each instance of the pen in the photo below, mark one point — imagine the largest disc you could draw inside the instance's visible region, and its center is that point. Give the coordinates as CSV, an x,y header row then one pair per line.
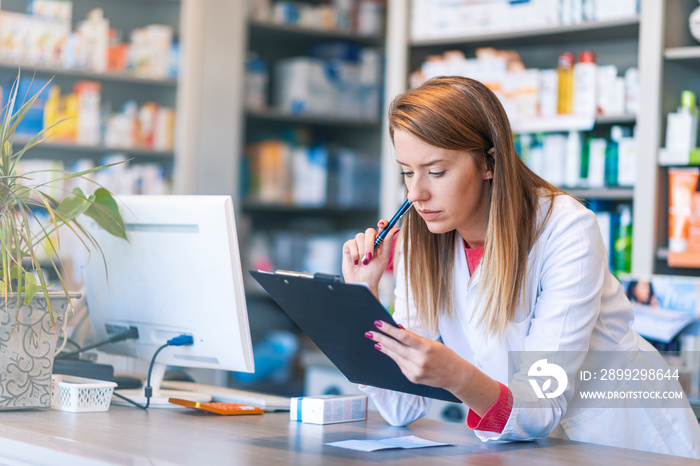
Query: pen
x,y
397,216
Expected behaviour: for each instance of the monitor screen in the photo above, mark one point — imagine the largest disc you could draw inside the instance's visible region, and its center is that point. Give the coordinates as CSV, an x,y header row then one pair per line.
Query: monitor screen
x,y
179,273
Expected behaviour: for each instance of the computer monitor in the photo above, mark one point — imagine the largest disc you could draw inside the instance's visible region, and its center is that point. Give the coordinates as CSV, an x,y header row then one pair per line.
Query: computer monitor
x,y
179,273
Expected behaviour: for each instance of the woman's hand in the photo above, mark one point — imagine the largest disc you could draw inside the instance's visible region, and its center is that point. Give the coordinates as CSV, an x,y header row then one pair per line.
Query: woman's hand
x,y
428,362
421,359
362,263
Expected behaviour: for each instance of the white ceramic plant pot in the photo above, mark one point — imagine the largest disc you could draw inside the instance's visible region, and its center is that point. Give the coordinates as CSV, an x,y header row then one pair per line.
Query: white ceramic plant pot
x,y
27,351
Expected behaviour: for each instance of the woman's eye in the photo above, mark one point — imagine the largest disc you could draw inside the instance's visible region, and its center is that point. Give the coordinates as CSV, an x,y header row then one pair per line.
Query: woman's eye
x,y
406,173
437,174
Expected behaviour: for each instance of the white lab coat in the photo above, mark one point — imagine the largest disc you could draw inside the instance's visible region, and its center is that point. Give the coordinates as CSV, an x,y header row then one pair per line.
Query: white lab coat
x,y
575,304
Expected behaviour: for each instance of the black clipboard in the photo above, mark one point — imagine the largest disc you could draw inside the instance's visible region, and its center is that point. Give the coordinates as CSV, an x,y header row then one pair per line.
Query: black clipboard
x,y
336,315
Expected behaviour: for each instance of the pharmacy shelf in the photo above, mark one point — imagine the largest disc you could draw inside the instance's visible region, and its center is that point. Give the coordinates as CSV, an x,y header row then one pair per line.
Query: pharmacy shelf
x,y
601,29
275,32
562,123
604,194
674,263
669,159
686,260
554,124
97,150
292,210
691,53
319,120
27,68
615,119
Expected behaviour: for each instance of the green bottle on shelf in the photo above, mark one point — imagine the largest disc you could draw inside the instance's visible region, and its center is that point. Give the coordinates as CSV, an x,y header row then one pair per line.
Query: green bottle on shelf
x,y
623,243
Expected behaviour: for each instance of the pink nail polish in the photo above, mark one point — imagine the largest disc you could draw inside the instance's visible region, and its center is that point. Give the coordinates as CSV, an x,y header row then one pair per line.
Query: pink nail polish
x,y
368,334
369,256
378,323
378,346
365,260
356,262
401,327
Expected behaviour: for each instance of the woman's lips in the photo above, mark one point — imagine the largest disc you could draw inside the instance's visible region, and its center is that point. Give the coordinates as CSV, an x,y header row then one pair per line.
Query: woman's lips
x,y
428,215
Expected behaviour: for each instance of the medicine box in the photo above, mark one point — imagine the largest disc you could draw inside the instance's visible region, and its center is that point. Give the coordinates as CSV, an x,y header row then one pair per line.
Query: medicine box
x,y
328,409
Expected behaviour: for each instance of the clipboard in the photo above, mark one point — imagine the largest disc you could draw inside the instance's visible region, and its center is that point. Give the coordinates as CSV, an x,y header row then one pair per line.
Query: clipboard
x,y
336,315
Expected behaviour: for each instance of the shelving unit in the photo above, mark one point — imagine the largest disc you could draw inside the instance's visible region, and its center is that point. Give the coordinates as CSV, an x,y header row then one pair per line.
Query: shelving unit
x,y
690,53
269,31
604,194
116,88
614,42
274,42
272,115
610,29
79,150
678,70
563,123
86,74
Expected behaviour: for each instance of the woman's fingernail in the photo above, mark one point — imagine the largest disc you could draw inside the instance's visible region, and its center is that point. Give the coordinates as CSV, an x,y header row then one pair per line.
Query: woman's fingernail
x,y
367,258
378,346
356,262
398,230
378,323
368,334
401,326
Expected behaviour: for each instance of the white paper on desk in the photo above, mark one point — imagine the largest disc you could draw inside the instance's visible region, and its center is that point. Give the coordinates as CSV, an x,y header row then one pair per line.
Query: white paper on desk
x,y
407,441
658,323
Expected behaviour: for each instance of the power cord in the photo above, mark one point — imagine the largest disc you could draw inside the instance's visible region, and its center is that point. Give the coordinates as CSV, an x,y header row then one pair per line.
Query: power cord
x,y
132,333
180,340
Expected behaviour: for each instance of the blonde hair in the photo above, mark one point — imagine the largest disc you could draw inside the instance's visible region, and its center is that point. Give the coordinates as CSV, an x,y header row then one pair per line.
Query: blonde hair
x,y
459,113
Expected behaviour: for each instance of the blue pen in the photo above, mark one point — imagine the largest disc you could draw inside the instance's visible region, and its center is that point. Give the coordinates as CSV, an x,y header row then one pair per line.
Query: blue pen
x,y
397,216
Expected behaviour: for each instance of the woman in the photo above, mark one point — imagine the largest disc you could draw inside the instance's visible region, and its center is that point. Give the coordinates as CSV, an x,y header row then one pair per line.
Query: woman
x,y
492,259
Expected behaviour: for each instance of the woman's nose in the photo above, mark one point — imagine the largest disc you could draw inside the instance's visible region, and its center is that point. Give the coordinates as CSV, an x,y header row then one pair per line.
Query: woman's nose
x,y
416,193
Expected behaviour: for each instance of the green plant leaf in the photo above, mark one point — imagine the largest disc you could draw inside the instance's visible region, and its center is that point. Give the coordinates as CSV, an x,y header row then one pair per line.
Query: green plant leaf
x,y
105,212
72,206
29,288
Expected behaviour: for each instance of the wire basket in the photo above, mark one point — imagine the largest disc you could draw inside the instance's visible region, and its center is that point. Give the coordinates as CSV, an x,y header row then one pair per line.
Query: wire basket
x,y
80,395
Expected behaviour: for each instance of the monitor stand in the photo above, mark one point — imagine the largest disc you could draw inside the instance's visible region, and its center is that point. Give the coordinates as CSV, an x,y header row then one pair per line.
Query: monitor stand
x,y
159,399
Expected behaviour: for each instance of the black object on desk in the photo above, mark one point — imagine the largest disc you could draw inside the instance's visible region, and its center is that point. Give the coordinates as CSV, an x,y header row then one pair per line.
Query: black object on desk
x,y
335,316
86,369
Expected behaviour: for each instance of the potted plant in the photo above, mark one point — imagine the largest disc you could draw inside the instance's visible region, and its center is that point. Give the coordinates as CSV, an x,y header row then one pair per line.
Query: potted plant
x,y
34,309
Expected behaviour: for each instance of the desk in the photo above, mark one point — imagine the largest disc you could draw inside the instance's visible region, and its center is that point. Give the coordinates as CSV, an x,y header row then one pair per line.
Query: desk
x,y
131,436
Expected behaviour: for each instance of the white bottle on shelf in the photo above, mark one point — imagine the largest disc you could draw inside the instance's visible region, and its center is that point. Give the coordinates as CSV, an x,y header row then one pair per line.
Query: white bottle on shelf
x,y
585,83
596,162
548,92
627,150
573,159
682,127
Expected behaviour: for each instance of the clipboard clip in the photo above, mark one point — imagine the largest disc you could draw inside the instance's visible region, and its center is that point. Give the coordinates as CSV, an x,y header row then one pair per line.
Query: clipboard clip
x,y
292,273
328,277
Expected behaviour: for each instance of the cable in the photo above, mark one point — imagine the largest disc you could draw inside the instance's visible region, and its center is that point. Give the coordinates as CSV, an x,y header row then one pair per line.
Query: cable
x,y
71,341
180,340
127,335
62,332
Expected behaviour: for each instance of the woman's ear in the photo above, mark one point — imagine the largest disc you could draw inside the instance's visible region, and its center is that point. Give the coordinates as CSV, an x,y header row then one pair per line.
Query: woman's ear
x,y
488,173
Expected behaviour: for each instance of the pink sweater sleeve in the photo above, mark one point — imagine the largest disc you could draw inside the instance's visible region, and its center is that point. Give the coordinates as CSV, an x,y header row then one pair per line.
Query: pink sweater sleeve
x,y
496,417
